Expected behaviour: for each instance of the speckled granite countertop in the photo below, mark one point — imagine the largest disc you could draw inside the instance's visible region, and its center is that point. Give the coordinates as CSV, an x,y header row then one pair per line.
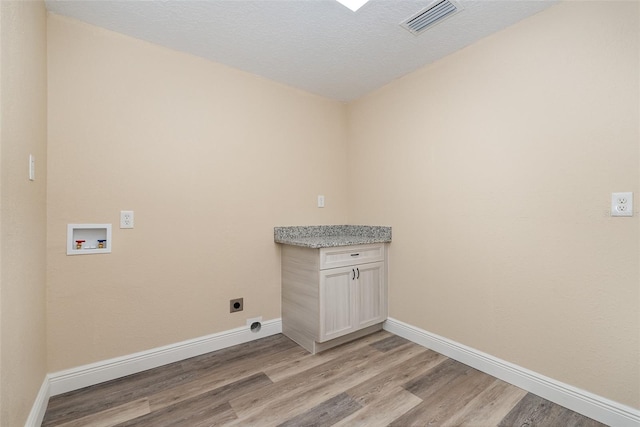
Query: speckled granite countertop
x,y
327,236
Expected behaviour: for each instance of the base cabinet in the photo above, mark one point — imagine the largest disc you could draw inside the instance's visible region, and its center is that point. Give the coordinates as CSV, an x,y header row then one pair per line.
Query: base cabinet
x,y
332,295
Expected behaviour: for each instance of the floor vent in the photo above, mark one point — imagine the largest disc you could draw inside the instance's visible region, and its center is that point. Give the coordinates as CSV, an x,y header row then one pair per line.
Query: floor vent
x,y
430,16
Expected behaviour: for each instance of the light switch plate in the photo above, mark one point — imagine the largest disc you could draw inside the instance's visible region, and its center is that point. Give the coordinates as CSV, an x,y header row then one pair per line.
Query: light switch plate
x,y
32,168
622,204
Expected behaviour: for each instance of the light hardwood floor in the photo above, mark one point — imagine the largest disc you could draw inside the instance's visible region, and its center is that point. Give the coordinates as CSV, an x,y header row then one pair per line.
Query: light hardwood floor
x,y
378,380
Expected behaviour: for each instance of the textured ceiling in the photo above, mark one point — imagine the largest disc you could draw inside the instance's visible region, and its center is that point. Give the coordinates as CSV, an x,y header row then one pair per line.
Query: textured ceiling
x,y
318,46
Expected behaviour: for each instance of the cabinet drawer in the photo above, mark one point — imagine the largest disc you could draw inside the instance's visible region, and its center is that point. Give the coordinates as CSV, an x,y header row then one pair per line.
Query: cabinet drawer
x,y
350,255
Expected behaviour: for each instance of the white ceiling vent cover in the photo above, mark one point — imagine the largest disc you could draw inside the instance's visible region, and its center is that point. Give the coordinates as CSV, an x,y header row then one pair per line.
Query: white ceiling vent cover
x,y
430,16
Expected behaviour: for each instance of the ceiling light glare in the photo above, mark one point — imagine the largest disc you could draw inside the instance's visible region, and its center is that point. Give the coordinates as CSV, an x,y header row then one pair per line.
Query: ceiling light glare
x,y
353,4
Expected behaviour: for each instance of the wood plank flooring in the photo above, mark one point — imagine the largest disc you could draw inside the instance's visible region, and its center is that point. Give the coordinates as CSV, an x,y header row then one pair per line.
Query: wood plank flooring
x,y
378,380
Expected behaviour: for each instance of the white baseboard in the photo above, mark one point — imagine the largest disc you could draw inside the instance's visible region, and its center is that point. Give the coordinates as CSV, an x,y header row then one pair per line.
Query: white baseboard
x,y
599,408
39,405
95,373
594,406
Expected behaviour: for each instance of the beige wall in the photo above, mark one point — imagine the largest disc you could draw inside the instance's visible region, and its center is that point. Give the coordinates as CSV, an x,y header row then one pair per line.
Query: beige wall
x,y
209,158
495,167
22,207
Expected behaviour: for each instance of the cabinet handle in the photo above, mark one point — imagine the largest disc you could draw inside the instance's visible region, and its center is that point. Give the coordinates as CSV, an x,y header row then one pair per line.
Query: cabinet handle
x,y
358,273
355,254
354,274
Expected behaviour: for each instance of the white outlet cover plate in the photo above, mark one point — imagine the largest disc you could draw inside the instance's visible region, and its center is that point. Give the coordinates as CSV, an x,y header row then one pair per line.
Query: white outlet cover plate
x,y
622,204
126,219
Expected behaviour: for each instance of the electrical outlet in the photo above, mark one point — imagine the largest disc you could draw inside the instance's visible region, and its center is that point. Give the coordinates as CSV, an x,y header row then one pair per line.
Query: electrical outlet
x,y
236,305
321,201
622,204
126,219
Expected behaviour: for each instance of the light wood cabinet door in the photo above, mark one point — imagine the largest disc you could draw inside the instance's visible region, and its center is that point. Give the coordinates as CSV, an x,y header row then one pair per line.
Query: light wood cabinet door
x,y
351,298
371,294
337,303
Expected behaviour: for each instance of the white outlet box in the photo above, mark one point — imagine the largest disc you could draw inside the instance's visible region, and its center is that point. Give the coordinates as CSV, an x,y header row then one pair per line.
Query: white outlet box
x,y
83,239
622,204
321,201
126,219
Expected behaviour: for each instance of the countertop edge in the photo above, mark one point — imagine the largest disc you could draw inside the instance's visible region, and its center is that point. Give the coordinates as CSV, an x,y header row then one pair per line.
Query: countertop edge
x,y
331,244
328,236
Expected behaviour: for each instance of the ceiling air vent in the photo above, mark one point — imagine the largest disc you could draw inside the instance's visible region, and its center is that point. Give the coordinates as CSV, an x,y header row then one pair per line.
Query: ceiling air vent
x,y
430,16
